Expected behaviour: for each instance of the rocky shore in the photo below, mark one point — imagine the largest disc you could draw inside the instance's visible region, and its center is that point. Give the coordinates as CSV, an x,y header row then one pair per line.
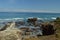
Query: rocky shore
x,y
16,30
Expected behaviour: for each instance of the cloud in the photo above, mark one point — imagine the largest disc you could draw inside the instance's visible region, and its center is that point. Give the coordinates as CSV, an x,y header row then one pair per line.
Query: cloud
x,y
25,10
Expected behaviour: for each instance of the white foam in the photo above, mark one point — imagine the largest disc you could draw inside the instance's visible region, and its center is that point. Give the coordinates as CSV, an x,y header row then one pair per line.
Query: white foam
x,y
40,18
53,18
21,19
11,19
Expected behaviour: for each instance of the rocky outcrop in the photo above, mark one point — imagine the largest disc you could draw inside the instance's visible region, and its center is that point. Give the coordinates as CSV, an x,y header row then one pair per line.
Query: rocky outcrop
x,y
11,33
32,21
47,29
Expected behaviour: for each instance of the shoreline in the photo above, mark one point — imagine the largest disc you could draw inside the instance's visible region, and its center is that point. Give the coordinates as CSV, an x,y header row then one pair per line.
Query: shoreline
x,y
36,30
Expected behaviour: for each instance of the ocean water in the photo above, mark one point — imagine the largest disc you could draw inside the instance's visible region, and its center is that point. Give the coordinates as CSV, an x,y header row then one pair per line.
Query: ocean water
x,y
24,15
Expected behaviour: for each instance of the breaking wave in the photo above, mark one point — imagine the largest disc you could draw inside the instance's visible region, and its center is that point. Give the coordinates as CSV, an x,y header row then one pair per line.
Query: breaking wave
x,y
11,19
53,17
15,19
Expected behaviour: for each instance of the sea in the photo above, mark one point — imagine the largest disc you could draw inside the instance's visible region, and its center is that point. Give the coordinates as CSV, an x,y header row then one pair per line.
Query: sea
x,y
25,15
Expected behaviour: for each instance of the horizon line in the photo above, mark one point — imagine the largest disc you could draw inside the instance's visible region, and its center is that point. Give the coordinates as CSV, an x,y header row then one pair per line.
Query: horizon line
x,y
28,10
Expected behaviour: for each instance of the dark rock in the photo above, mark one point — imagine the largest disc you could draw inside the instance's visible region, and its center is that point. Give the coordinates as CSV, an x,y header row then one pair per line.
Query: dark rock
x,y
47,29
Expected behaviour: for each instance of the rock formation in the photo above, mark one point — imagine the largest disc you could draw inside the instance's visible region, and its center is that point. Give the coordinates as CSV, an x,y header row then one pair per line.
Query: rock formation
x,y
11,33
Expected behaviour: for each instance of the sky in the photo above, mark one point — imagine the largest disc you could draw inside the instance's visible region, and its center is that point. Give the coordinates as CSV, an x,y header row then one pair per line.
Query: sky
x,y
30,5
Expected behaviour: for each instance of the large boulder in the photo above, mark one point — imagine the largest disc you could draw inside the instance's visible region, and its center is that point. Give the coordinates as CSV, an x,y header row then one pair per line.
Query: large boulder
x,y
47,29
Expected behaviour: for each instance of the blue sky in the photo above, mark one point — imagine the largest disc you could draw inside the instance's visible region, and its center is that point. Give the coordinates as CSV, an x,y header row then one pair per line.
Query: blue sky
x,y
30,5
